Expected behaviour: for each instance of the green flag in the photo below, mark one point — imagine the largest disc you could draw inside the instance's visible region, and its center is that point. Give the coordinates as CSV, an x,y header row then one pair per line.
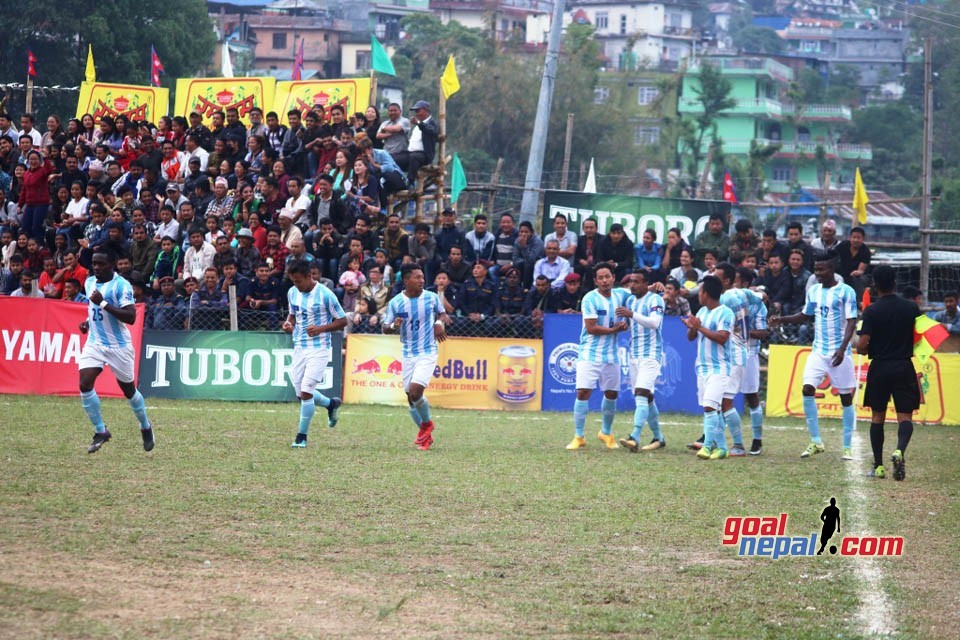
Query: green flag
x,y
458,179
379,60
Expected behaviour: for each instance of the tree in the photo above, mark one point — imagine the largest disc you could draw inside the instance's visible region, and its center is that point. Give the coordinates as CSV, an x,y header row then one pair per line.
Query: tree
x,y
58,31
713,94
895,132
758,40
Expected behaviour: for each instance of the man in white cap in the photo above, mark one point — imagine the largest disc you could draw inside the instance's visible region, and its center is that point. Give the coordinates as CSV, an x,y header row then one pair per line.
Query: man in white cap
x,y
222,203
248,256
174,198
423,141
289,233
828,239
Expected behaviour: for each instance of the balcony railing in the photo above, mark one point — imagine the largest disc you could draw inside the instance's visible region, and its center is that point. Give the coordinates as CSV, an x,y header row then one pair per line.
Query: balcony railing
x,y
747,66
843,151
773,109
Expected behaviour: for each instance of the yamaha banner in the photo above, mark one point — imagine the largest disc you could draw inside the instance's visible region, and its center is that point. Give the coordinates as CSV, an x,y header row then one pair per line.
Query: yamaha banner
x,y
676,387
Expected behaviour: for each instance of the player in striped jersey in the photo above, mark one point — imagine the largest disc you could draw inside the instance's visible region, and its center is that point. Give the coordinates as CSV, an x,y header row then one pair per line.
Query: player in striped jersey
x,y
110,310
598,361
419,317
714,324
315,312
750,384
644,309
833,307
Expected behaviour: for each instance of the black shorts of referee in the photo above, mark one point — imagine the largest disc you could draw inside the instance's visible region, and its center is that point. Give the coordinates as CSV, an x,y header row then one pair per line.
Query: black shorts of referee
x,y
896,378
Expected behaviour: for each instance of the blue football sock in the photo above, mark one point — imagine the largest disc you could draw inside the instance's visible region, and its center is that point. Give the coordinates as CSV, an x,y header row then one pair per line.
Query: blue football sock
x,y
756,421
321,399
639,417
424,408
813,422
91,404
849,419
140,409
608,409
732,418
712,429
580,408
307,409
653,419
415,415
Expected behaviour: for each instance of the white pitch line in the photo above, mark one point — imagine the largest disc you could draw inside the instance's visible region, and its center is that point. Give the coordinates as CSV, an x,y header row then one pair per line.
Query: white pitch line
x,y
876,613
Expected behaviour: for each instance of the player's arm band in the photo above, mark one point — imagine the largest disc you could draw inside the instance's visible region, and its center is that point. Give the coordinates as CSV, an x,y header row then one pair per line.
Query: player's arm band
x,y
438,323
103,304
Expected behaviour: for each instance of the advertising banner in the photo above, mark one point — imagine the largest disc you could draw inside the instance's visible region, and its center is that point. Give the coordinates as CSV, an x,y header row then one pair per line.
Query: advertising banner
x,y
635,213
471,373
785,398
42,344
209,95
249,366
353,94
676,387
100,99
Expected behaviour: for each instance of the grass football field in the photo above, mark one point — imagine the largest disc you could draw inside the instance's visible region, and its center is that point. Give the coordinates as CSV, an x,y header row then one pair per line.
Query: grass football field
x,y
224,531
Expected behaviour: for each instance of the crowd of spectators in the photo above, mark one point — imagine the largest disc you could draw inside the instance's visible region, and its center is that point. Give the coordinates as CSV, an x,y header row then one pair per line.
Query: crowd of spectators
x,y
193,212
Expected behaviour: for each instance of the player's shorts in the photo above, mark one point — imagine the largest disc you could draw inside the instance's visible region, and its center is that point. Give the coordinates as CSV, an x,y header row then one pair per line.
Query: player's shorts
x,y
119,359
644,373
750,382
418,370
309,367
733,382
607,374
843,378
711,389
895,378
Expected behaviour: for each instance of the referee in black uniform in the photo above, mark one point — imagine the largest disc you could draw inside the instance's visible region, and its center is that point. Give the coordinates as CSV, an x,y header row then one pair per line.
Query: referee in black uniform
x,y
887,337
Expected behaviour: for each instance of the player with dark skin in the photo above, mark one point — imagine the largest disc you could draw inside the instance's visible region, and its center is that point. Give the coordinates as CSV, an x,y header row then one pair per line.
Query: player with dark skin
x,y
413,282
103,266
603,278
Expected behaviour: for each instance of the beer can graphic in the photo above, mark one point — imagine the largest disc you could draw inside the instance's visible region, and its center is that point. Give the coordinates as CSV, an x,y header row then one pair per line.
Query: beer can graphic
x,y
516,374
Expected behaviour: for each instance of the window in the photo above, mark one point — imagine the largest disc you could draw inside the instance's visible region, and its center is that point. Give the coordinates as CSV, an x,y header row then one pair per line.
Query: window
x,y
810,45
647,94
601,95
645,135
623,25
279,41
803,134
781,174
675,20
602,21
363,60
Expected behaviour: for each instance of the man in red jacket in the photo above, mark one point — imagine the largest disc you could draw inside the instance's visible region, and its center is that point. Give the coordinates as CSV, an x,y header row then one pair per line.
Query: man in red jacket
x,y
35,195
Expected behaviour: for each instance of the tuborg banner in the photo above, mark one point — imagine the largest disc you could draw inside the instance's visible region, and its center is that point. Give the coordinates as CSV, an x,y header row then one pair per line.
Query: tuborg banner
x,y
222,365
633,212
676,387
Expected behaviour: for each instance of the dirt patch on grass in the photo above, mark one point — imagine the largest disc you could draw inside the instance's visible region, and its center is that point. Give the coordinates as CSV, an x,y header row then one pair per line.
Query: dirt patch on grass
x,y
226,599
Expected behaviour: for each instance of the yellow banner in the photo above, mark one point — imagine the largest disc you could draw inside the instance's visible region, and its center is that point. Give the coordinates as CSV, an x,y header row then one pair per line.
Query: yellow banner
x,y
471,373
785,382
209,95
351,93
137,103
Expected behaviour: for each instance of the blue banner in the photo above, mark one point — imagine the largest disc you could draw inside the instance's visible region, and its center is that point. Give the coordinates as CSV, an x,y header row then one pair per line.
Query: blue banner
x,y
676,387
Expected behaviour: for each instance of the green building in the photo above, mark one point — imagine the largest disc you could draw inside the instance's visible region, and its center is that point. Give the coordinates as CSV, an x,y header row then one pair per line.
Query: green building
x,y
809,136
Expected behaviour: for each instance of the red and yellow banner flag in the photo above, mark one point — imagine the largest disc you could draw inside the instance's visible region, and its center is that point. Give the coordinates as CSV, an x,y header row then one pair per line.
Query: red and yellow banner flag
x,y
100,99
206,96
352,94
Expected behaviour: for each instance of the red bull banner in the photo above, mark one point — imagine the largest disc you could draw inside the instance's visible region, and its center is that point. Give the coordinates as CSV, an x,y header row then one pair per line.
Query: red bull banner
x,y
138,103
784,397
353,94
471,373
41,345
206,96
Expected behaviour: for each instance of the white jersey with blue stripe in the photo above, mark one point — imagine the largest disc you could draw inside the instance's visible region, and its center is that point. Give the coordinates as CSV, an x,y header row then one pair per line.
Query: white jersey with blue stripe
x,y
595,306
758,318
712,357
419,315
105,329
738,301
830,307
319,306
644,342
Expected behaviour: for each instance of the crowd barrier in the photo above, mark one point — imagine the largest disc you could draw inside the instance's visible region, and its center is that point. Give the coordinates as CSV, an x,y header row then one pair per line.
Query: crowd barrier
x,y
41,343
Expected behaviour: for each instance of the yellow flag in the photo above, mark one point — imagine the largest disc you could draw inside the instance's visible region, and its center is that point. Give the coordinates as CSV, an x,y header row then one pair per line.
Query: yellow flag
x,y
860,199
91,72
449,81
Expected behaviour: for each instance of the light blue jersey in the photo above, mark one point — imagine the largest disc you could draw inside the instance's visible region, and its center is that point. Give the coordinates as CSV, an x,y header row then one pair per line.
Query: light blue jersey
x,y
714,358
105,329
758,319
739,301
644,342
830,307
319,306
419,315
595,306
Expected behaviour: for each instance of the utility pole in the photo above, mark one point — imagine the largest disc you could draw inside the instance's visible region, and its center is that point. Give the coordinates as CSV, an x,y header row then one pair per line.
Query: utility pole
x,y
538,145
567,143
927,168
